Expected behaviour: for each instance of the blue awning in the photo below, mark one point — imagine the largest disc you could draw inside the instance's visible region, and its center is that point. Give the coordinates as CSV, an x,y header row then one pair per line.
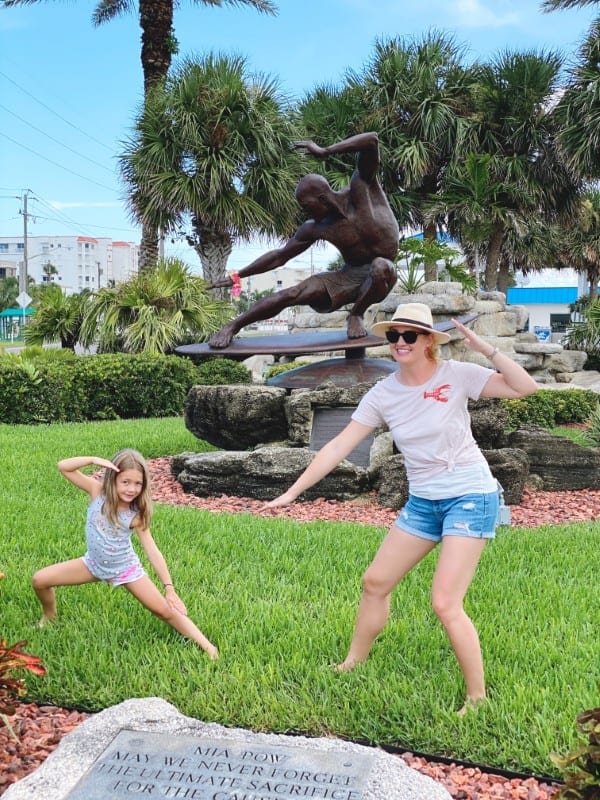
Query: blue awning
x,y
542,295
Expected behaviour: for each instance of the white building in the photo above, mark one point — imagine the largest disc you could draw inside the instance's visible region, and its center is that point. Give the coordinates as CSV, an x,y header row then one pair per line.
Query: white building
x,y
78,262
547,296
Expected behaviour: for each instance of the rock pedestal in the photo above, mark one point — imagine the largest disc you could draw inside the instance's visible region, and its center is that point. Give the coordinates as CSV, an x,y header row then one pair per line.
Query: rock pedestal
x,y
263,472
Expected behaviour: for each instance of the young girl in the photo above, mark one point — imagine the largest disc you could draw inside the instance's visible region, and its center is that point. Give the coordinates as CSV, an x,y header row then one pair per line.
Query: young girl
x,y
120,505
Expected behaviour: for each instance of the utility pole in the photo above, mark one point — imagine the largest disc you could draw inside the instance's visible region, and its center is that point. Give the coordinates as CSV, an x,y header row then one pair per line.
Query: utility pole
x,y
23,273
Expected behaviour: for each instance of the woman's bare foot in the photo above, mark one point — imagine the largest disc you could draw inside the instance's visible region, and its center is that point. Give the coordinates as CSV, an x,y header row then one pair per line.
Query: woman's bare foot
x,y
45,619
471,704
212,652
347,665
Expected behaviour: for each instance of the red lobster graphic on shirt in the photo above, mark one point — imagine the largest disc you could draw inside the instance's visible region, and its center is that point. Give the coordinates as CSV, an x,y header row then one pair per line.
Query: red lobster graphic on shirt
x,y
438,393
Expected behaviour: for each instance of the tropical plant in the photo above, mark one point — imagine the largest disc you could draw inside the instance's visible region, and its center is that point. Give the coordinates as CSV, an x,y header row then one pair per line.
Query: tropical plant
x,y
212,148
416,94
578,110
419,94
58,317
476,206
580,240
9,291
245,300
416,252
585,334
553,5
154,312
48,270
516,131
158,47
591,434
581,767
11,688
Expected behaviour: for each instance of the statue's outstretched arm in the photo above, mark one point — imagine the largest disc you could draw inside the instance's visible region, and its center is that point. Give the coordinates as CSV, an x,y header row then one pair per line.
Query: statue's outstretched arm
x,y
365,144
268,261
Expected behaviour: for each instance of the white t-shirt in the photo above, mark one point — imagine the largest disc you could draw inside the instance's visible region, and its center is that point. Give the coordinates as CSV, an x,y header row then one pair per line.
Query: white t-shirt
x,y
431,427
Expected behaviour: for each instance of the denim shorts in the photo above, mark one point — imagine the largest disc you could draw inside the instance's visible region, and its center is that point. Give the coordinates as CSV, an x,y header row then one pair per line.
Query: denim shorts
x,y
470,515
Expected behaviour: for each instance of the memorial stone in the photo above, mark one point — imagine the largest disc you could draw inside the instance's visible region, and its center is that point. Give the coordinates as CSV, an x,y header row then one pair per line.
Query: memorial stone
x,y
145,748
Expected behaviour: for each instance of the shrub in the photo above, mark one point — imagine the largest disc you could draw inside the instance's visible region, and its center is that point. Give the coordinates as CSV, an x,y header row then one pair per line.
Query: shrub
x,y
98,387
549,407
277,369
591,436
11,688
222,371
582,766
106,386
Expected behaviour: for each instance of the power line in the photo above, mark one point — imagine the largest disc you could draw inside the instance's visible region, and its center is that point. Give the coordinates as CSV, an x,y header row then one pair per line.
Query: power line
x,y
56,164
62,217
56,114
62,144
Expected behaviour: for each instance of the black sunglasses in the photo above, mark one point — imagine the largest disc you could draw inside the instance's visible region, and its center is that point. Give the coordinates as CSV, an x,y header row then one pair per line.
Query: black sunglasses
x,y
410,337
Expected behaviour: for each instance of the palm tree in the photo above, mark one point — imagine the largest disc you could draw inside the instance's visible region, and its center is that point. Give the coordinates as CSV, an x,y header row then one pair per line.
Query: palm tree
x,y
578,110
476,206
9,291
580,241
154,312
419,94
517,131
212,148
553,5
158,46
416,94
59,316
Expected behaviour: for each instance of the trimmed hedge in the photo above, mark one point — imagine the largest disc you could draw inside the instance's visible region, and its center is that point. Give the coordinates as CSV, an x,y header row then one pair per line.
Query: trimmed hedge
x,y
99,387
125,386
550,407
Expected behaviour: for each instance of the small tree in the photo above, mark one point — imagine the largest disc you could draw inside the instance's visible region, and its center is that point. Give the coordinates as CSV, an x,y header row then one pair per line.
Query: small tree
x,y
154,312
585,334
59,317
417,253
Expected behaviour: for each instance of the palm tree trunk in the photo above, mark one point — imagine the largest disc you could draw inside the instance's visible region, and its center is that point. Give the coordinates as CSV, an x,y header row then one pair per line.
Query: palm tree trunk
x,y
493,257
504,275
213,248
148,247
430,232
156,22
593,281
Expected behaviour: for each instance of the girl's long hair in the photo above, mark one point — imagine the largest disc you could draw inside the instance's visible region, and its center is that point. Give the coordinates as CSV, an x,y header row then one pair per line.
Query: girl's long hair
x,y
124,460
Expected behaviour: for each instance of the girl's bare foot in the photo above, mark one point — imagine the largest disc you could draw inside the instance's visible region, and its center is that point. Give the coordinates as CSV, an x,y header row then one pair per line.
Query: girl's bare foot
x,y
212,652
471,704
45,619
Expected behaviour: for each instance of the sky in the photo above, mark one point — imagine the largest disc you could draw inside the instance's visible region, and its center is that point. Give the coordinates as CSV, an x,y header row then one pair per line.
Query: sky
x,y
69,92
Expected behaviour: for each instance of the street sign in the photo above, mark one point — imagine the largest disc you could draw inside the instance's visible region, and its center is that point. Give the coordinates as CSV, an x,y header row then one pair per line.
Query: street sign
x,y
23,300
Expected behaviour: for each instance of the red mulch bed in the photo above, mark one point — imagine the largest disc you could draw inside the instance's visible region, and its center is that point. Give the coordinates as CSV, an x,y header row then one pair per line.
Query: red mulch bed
x,y
39,729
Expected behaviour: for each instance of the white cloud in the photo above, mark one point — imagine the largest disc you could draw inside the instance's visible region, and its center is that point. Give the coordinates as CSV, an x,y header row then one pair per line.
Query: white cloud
x,y
477,14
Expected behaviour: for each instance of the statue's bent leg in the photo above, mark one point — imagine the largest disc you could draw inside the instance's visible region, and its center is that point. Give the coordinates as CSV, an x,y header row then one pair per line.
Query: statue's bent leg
x,y
263,309
378,284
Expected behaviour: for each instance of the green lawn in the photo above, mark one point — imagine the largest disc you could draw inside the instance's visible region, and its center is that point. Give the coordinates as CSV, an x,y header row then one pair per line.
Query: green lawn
x,y
279,598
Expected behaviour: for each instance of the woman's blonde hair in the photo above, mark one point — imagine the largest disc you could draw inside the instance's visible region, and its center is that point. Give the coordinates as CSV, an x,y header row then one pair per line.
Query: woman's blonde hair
x,y
124,460
434,352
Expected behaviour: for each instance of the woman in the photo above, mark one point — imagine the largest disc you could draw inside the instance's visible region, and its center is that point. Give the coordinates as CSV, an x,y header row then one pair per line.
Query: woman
x,y
453,498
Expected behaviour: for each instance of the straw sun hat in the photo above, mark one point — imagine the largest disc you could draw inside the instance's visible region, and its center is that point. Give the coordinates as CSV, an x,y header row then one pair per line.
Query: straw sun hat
x,y
415,315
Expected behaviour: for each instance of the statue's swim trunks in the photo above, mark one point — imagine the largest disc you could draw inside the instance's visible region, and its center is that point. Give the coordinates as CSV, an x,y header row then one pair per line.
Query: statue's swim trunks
x,y
340,287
